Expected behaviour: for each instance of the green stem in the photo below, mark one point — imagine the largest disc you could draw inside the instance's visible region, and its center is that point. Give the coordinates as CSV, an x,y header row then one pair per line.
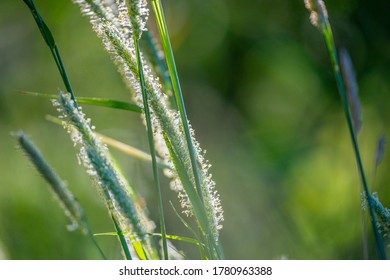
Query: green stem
x,y
122,239
92,237
326,28
152,148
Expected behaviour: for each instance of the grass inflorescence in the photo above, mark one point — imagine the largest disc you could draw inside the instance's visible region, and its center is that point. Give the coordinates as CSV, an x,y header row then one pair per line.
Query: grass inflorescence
x,y
172,143
149,70
66,199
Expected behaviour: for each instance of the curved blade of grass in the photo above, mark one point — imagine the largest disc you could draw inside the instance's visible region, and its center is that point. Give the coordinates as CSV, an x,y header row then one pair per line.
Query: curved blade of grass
x,y
201,245
101,102
169,236
125,148
162,27
180,238
329,39
152,147
110,103
49,39
140,250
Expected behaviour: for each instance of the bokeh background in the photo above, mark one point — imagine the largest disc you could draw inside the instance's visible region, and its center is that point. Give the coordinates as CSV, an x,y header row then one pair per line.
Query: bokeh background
x,y
261,96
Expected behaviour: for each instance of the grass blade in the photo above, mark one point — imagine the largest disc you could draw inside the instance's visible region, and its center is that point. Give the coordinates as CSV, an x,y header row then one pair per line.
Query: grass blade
x,y
158,11
169,236
49,40
125,148
212,241
201,245
101,102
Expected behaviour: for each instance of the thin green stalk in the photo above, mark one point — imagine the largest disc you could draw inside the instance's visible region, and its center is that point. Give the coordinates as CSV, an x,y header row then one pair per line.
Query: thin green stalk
x,y
152,148
201,245
158,11
93,239
327,31
122,239
49,39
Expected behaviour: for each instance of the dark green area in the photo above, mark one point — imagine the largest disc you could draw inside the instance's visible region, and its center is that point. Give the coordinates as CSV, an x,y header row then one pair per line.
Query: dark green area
x,y
261,96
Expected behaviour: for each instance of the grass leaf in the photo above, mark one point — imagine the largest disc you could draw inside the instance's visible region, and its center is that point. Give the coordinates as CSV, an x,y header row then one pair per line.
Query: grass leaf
x,y
49,39
101,102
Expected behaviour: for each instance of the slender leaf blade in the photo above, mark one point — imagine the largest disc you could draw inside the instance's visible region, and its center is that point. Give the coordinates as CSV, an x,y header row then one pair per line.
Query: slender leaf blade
x,y
96,101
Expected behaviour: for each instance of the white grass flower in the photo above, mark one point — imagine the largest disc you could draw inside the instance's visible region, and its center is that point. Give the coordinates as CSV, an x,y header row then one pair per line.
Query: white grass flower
x,y
167,126
120,199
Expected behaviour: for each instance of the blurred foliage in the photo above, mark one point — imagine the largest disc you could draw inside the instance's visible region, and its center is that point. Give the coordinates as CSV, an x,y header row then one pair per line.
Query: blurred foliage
x,y
261,96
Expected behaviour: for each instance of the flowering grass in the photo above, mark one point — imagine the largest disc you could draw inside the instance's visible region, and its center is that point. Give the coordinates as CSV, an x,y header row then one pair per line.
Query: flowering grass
x,y
151,77
120,26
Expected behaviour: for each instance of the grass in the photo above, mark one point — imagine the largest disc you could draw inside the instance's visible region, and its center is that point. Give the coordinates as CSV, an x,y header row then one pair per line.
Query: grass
x,y
172,144
347,86
130,220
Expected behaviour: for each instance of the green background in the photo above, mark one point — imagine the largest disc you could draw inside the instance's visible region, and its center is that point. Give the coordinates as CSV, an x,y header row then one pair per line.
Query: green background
x,y
261,97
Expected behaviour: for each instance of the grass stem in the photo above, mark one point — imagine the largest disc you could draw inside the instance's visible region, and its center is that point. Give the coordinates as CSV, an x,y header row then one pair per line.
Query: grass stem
x,y
327,31
152,148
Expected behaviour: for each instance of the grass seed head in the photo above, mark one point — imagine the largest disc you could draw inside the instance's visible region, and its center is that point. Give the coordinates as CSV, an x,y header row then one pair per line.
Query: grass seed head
x,y
352,89
317,10
59,188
